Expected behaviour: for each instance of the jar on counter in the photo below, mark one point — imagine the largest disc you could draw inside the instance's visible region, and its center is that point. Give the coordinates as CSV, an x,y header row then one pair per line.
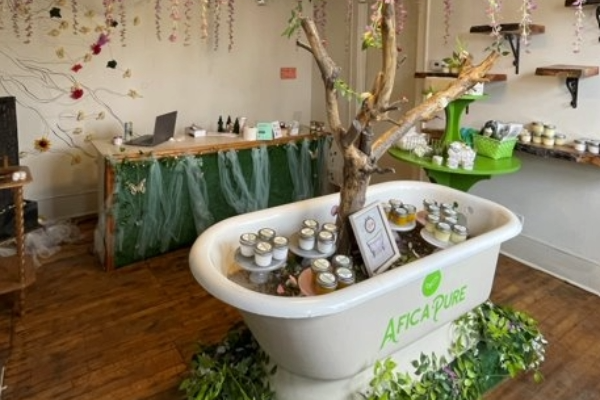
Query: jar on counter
x,y
318,265
325,283
263,254
442,232
247,242
411,213
536,139
430,222
266,234
434,209
525,136
307,238
345,277
428,203
593,146
459,234
325,242
395,203
280,247
399,216
560,139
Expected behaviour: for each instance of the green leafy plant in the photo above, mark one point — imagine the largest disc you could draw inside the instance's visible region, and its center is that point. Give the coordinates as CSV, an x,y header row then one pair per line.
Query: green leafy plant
x,y
235,369
491,344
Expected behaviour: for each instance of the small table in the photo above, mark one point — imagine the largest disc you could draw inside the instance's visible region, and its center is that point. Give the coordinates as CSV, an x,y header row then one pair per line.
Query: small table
x,y
461,179
17,272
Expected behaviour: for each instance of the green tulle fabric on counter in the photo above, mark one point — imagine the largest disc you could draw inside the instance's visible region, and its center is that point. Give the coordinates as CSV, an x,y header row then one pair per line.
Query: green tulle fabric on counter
x,y
160,204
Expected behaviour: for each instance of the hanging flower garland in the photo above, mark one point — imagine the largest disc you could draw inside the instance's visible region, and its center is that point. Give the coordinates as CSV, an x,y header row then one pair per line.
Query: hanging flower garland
x,y
187,25
75,13
230,21
349,18
15,21
527,8
157,12
447,17
579,17
217,23
401,16
175,17
320,17
123,23
493,12
204,5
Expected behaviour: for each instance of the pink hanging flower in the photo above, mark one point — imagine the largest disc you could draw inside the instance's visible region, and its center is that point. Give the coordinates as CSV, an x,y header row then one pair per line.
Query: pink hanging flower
x,y
102,39
76,67
96,49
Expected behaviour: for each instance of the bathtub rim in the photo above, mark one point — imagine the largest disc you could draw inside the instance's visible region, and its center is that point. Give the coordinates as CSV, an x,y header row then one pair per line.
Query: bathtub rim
x,y
217,284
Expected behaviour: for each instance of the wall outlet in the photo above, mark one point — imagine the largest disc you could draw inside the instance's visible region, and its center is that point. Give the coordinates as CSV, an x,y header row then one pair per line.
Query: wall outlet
x,y
436,65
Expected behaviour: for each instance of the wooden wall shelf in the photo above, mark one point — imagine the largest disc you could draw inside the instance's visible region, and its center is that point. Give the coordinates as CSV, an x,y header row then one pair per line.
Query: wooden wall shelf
x,y
559,152
512,33
489,77
571,73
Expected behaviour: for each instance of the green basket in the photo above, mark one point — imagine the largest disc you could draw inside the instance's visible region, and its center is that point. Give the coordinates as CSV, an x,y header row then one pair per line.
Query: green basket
x,y
493,148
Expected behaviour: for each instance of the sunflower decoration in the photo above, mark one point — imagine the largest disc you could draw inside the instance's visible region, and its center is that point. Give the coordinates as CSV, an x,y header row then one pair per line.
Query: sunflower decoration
x,y
42,144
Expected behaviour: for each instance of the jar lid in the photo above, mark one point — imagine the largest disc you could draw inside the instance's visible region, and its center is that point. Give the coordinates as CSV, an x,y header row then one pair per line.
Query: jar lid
x,y
329,226
400,211
443,227
325,236
248,238
429,202
560,136
263,248
395,202
460,229
433,209
344,275
341,260
310,223
433,218
280,241
549,126
320,265
307,233
266,233
326,280
410,208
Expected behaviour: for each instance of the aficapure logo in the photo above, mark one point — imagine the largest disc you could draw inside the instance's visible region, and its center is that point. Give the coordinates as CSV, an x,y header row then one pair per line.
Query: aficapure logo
x,y
432,283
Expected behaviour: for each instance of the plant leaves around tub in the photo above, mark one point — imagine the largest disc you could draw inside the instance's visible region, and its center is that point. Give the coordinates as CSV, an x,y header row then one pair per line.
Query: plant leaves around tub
x,y
491,343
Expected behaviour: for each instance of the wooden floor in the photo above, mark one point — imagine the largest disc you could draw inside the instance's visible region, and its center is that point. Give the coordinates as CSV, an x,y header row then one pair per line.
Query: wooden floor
x,y
129,334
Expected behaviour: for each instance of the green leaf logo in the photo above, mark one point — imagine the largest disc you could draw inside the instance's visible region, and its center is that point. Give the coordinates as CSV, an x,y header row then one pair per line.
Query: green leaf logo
x,y
432,283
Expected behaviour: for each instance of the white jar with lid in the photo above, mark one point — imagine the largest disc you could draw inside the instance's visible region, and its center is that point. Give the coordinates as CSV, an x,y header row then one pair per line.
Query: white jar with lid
x,y
266,234
459,234
525,136
593,146
442,232
560,139
579,145
537,128
311,223
548,141
247,243
263,254
325,242
549,130
306,239
280,248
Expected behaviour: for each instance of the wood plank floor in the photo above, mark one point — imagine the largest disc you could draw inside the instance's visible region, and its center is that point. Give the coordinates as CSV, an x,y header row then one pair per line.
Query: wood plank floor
x,y
129,334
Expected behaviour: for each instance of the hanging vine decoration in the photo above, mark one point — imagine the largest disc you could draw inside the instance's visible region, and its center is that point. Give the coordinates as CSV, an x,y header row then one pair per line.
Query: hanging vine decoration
x,y
401,16
527,8
75,12
230,21
447,17
349,18
28,21
204,5
175,17
123,23
320,17
217,16
15,21
187,25
493,12
579,17
1,15
157,12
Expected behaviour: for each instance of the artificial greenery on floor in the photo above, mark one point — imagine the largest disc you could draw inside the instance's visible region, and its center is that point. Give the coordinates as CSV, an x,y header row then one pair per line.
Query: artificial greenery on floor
x,y
492,343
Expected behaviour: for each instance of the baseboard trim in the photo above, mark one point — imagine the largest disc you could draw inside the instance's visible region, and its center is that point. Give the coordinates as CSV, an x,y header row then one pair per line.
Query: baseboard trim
x,y
578,271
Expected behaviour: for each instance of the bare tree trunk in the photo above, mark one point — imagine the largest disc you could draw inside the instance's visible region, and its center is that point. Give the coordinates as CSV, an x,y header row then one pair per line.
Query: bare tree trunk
x,y
360,151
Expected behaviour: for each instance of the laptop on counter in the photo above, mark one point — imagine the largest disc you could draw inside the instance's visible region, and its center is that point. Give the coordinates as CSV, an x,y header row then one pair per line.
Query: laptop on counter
x,y
164,128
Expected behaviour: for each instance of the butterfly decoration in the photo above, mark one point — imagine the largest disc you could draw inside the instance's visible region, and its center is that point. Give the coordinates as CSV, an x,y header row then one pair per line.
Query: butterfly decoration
x,y
139,188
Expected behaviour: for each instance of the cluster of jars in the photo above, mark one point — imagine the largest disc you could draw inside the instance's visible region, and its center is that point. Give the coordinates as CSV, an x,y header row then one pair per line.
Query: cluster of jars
x,y
400,214
441,221
589,145
329,276
312,236
265,246
544,134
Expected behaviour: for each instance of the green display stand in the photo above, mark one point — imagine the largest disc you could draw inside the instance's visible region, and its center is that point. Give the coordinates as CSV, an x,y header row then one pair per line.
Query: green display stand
x,y
461,179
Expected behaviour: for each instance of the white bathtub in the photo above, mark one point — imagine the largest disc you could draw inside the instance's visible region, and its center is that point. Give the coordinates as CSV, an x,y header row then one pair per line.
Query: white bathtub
x,y
327,341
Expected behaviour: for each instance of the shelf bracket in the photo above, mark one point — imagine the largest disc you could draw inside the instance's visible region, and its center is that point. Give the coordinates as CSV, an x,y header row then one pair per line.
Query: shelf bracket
x,y
515,46
573,86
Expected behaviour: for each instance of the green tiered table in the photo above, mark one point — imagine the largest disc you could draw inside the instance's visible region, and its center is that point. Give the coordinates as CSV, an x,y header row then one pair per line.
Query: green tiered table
x,y
461,179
